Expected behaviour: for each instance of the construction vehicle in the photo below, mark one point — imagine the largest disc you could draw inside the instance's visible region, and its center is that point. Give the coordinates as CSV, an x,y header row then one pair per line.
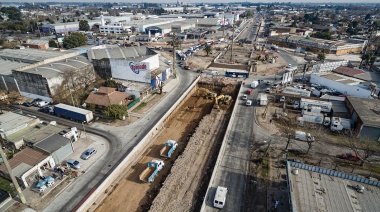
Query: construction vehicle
x,y
207,93
212,95
220,97
227,99
151,171
168,149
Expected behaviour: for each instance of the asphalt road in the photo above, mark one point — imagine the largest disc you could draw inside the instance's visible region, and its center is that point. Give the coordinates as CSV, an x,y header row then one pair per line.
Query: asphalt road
x,y
233,169
122,140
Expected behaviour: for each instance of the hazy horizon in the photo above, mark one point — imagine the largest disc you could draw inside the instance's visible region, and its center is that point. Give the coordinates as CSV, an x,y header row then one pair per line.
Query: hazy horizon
x,y
188,1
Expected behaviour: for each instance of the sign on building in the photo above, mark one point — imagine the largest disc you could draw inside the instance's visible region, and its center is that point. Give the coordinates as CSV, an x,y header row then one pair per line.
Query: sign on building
x,y
130,70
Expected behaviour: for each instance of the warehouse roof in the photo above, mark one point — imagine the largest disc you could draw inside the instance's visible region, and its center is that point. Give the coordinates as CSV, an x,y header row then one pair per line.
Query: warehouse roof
x,y
318,189
367,109
341,78
6,66
26,158
13,122
53,143
55,69
134,52
28,55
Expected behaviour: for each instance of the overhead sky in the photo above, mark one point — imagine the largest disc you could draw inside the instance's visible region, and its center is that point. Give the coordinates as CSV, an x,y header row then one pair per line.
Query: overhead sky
x,y
210,1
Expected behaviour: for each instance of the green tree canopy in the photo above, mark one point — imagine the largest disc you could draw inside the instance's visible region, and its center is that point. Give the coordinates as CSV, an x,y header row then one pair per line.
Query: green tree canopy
x,y
53,44
74,40
321,56
84,26
207,49
12,12
116,111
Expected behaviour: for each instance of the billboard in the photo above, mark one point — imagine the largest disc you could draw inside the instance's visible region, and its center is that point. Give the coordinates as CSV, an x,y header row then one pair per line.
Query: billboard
x,y
130,70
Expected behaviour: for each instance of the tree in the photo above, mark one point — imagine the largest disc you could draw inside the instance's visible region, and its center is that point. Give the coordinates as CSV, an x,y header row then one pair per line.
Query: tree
x,y
83,25
53,44
248,13
207,49
133,29
357,144
110,83
367,17
363,58
116,111
321,56
372,60
74,40
258,8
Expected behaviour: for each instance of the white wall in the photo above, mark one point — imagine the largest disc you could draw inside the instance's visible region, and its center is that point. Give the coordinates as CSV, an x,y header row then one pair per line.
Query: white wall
x,y
154,62
343,88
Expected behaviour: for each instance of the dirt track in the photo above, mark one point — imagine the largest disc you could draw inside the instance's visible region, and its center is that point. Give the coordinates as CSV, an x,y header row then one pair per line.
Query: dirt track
x,y
133,195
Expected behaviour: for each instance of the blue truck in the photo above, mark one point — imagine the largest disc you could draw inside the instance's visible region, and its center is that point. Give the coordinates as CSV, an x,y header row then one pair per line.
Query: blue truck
x,y
168,149
151,171
73,113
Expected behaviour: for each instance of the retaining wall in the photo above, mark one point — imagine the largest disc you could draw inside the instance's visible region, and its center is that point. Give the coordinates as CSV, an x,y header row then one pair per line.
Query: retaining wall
x,y
98,195
222,150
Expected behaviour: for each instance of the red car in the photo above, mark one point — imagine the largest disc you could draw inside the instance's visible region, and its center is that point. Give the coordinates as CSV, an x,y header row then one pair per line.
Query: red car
x,y
249,92
350,156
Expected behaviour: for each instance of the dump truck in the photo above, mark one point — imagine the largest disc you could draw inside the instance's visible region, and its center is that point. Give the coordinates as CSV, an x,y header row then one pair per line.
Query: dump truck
x,y
151,171
168,149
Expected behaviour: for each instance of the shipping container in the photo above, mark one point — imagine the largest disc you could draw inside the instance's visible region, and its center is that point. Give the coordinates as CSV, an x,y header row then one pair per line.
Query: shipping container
x,y
73,113
325,106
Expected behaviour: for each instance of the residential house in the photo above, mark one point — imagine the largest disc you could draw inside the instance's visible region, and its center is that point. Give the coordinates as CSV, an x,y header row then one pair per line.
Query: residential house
x,y
105,96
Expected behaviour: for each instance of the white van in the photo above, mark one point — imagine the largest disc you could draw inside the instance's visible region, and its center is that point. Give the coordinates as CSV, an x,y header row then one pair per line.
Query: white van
x,y
42,103
220,197
214,73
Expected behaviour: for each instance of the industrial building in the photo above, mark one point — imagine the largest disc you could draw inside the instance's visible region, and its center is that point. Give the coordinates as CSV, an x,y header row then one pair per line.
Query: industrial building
x,y
44,81
313,188
20,59
65,28
317,45
138,70
366,115
343,84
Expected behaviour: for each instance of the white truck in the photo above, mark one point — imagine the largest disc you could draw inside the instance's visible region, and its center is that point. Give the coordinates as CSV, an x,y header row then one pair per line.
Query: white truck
x,y
339,124
325,106
220,197
254,84
303,136
151,171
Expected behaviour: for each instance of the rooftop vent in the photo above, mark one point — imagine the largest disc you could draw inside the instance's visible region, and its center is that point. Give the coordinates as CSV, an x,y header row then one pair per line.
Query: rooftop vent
x,y
295,171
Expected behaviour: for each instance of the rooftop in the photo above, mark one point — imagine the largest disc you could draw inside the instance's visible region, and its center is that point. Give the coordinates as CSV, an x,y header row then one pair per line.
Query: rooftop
x,y
106,96
6,66
347,71
28,55
120,53
53,143
24,160
55,69
319,189
341,78
367,109
13,122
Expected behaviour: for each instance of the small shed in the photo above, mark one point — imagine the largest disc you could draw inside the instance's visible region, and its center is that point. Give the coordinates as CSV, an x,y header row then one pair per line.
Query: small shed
x,y
262,99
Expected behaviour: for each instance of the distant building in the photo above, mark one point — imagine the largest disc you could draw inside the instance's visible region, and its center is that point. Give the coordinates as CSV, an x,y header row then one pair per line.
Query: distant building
x,y
317,45
37,44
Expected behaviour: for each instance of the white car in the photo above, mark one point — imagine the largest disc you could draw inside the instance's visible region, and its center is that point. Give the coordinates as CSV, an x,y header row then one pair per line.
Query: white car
x,y
248,103
245,97
267,90
282,99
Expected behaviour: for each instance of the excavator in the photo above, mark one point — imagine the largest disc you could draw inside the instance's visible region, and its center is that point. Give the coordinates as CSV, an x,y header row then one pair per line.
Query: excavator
x,y
220,97
207,93
227,99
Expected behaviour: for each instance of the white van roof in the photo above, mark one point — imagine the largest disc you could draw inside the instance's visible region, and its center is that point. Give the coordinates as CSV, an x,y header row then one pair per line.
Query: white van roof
x,y
221,193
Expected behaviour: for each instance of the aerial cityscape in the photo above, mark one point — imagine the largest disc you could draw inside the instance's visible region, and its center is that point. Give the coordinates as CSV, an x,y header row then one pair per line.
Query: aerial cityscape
x,y
190,106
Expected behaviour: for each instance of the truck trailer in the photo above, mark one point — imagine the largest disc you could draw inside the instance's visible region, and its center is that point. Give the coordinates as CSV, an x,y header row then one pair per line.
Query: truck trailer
x,y
168,149
325,106
73,113
338,124
151,171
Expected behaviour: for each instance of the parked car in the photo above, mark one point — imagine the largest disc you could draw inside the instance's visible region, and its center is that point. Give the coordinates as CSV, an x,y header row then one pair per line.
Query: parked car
x,y
275,86
248,103
35,101
350,156
267,90
73,164
88,153
27,104
199,71
244,97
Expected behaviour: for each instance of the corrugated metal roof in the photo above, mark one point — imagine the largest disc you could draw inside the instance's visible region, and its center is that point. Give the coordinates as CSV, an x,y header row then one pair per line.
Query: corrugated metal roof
x,y
53,143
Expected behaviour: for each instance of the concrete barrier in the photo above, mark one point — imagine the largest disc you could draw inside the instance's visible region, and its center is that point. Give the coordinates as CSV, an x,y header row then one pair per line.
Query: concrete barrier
x,y
222,150
133,157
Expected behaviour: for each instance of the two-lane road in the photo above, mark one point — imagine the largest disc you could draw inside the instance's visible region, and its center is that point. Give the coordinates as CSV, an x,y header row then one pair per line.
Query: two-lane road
x,y
233,169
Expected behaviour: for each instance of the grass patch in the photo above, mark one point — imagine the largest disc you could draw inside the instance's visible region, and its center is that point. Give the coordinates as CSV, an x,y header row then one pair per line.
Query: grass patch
x,y
139,107
264,167
5,185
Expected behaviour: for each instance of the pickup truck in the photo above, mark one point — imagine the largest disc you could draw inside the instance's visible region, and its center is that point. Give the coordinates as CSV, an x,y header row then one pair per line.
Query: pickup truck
x,y
151,171
168,149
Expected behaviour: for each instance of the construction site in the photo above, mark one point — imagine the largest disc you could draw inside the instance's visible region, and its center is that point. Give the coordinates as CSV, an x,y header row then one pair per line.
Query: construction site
x,y
175,182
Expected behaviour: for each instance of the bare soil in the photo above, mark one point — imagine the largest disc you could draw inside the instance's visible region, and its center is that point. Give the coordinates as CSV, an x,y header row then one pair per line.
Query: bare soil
x,y
133,195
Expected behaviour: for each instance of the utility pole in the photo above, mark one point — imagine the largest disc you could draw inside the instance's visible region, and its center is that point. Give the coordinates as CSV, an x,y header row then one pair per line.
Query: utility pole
x,y
232,43
14,181
224,24
175,44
